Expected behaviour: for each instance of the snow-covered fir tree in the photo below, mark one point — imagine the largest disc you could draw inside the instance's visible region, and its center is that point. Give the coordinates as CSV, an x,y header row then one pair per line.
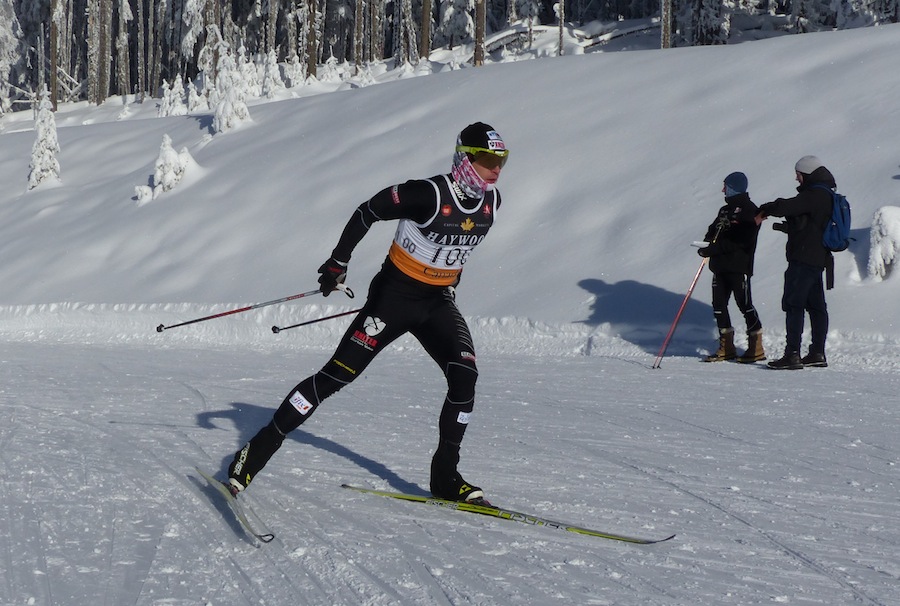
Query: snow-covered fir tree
x,y
331,71
44,165
169,167
207,61
884,245
457,25
272,82
177,106
195,101
249,75
165,99
231,109
709,25
10,34
192,25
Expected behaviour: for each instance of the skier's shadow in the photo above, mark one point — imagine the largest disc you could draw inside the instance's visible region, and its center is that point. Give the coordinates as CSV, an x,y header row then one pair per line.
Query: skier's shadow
x,y
642,314
248,418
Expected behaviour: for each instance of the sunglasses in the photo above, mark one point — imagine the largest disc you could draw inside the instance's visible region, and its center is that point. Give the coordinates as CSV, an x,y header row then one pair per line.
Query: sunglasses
x,y
489,158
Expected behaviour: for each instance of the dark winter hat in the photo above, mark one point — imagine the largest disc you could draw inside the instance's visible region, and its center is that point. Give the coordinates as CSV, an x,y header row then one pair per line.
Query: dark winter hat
x,y
735,183
483,137
807,165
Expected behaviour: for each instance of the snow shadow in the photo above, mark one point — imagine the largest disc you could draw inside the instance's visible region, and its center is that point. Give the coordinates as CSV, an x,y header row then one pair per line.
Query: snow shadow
x,y
642,314
249,418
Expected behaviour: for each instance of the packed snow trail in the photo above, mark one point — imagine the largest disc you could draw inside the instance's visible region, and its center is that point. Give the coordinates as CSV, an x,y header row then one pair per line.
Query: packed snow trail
x,y
781,486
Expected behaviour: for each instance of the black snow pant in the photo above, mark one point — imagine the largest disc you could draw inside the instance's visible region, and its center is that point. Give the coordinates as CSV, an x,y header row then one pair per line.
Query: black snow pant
x,y
396,305
726,284
804,292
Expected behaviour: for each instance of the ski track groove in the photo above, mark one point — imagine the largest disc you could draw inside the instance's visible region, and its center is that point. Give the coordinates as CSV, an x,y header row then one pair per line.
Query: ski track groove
x,y
828,572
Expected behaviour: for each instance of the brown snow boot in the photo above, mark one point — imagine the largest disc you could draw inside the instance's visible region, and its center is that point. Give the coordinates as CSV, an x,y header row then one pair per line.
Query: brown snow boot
x,y
754,351
726,349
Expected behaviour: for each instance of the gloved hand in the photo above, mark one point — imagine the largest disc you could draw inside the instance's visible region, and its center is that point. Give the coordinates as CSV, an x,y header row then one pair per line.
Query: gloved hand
x,y
703,252
333,272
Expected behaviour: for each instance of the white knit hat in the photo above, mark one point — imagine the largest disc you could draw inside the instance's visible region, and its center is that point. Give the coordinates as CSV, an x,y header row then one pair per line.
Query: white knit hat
x,y
807,165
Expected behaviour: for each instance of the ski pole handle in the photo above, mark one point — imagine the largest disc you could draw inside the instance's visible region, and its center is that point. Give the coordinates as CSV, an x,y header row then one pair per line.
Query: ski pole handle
x,y
345,289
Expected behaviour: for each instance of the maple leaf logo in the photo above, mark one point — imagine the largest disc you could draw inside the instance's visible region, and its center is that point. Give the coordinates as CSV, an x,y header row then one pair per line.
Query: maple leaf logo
x,y
467,225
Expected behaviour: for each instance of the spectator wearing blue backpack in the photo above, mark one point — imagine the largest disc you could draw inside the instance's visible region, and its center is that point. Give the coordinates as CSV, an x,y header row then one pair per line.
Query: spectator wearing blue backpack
x,y
806,216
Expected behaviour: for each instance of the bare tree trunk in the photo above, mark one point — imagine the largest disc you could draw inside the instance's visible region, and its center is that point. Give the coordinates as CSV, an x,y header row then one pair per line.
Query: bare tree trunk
x,y
666,24
271,26
425,35
312,46
359,17
141,58
54,52
561,10
104,50
154,43
376,24
478,58
123,58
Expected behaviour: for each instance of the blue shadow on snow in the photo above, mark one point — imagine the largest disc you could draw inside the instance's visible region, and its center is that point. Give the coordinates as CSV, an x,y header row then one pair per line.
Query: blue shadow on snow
x,y
642,314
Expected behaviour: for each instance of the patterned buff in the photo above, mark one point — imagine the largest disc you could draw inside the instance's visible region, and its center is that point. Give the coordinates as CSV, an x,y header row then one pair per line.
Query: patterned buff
x,y
465,176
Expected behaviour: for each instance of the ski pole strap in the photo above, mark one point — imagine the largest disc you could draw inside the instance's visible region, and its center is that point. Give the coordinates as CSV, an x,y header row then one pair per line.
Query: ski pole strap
x,y
346,290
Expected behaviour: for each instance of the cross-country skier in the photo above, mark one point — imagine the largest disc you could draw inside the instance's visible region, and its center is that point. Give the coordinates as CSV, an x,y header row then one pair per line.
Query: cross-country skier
x,y
441,220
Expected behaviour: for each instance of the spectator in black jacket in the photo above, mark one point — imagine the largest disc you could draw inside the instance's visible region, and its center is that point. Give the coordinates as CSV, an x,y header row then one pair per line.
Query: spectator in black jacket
x,y
806,216
732,237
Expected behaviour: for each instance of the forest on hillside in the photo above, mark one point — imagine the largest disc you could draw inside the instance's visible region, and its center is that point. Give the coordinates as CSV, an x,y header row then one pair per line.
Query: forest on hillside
x,y
92,49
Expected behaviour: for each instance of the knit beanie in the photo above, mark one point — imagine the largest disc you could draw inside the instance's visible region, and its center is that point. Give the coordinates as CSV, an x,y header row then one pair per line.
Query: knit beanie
x,y
735,183
807,165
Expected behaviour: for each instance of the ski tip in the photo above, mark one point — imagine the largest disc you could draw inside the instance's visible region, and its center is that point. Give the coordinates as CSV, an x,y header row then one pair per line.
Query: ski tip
x,y
669,538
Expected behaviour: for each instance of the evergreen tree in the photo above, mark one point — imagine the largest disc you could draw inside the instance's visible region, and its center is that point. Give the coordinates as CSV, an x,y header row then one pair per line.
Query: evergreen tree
x,y
272,81
231,109
169,167
10,35
194,24
195,101
177,106
457,25
44,164
709,26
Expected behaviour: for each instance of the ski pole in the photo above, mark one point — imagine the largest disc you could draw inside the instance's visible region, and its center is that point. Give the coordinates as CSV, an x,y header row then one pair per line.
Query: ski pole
x,y
278,329
662,350
346,290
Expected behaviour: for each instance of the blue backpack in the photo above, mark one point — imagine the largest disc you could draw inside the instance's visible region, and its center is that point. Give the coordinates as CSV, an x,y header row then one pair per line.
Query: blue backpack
x,y
837,232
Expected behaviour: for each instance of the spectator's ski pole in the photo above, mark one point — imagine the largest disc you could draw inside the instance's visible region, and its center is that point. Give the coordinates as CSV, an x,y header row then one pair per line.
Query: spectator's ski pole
x,y
278,329
662,350
162,327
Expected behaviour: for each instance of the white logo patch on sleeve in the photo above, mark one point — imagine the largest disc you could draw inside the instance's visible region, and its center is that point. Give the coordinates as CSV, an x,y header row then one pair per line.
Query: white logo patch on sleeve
x,y
463,418
300,403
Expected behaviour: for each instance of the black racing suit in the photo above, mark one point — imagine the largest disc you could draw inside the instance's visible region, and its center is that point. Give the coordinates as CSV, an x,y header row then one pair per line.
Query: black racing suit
x,y
413,293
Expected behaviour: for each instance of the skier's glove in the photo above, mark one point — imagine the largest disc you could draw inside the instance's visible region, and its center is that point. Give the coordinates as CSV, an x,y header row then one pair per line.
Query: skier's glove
x,y
703,252
333,272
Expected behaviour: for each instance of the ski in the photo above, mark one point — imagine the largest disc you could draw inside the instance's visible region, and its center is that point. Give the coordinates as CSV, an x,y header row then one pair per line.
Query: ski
x,y
506,514
238,509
